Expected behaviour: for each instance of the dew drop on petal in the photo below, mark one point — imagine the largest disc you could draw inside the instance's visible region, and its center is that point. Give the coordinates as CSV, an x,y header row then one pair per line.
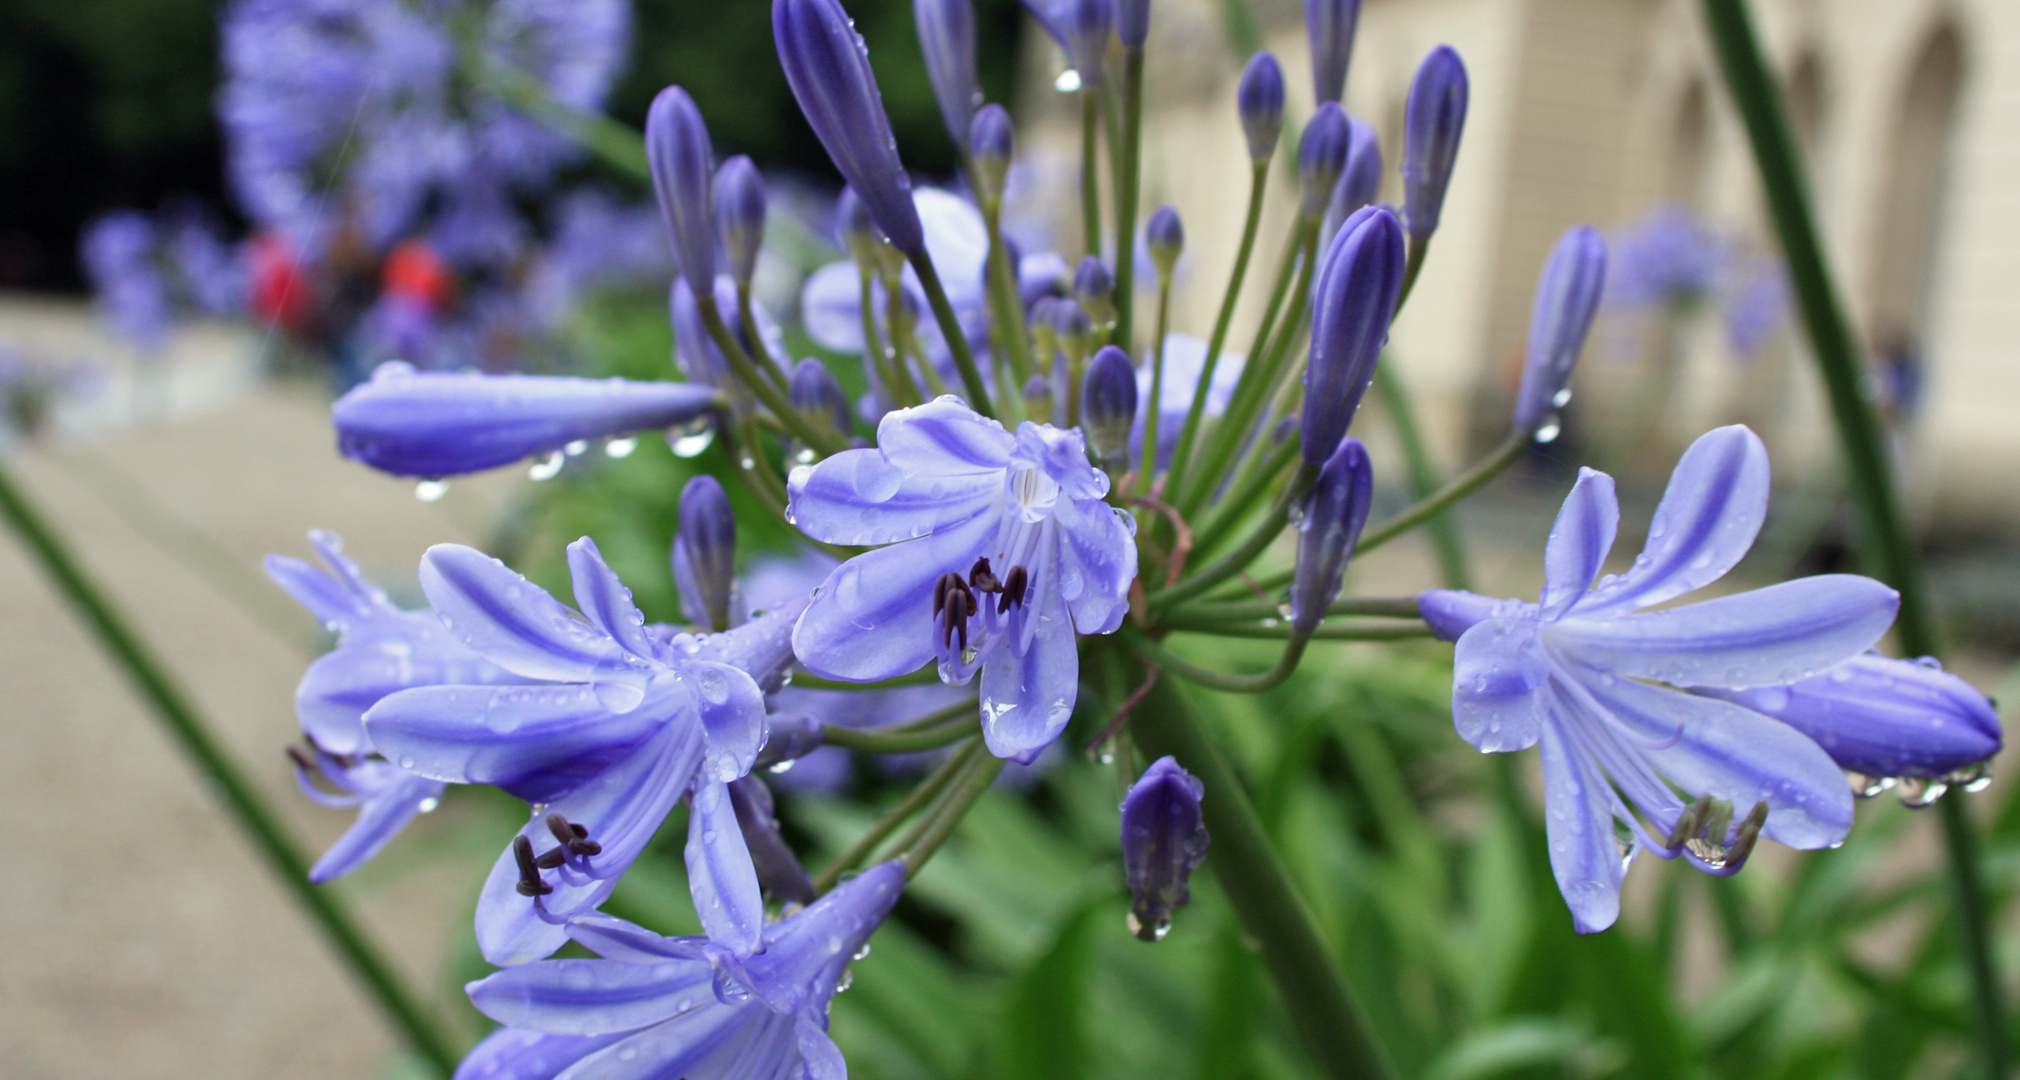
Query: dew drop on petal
x,y
1548,432
547,468
431,490
620,448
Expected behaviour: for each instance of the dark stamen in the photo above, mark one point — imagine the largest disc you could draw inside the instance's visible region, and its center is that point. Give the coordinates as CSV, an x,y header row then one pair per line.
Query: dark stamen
x,y
551,859
983,578
529,869
940,588
302,760
574,838
1014,589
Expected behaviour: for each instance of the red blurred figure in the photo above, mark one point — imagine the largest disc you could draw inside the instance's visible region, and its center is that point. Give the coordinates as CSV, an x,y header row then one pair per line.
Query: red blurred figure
x,y
413,271
281,291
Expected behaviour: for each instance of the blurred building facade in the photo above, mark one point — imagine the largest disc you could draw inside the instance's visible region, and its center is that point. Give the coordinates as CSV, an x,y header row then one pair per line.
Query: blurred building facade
x,y
1602,111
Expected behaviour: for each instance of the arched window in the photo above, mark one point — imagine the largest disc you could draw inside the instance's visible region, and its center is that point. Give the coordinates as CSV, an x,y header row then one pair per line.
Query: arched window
x,y
1910,214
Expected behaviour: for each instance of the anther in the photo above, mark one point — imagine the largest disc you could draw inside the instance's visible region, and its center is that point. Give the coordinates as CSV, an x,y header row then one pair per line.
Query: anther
x,y
1749,832
552,858
574,838
302,761
1014,589
983,578
1690,822
529,869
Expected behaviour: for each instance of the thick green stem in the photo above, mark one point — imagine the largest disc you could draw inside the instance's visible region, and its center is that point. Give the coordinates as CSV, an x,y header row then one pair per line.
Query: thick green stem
x,y
241,796
1298,958
1381,631
1889,545
950,328
902,742
1146,469
747,319
1153,653
919,796
1395,607
1423,475
1460,486
938,823
1182,455
1090,173
1130,156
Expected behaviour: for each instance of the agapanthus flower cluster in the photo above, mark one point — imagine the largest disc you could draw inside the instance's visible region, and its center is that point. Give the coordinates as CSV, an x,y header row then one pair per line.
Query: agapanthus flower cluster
x,y
1036,487
1672,261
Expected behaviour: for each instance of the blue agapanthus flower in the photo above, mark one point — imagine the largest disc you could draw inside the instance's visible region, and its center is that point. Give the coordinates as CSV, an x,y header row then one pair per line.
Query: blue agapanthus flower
x,y
381,650
1588,673
1001,549
677,1007
622,720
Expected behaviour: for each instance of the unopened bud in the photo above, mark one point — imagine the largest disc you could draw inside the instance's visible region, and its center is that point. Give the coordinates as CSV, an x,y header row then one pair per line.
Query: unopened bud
x,y
1567,297
1094,289
1322,157
1334,513
1165,235
1433,119
1260,101
815,393
1359,283
991,142
1164,840
704,554
740,214
1108,407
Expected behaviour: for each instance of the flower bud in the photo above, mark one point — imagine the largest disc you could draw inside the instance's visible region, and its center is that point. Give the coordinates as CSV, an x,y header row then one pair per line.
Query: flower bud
x,y
740,213
1132,22
1260,101
856,231
779,873
1088,23
1330,25
1038,401
435,424
1334,513
991,142
1074,329
1567,297
1094,289
683,169
788,737
1361,179
828,68
704,554
1165,235
1359,284
1044,324
1884,718
1322,156
1433,118
815,392
1108,407
947,38
1163,841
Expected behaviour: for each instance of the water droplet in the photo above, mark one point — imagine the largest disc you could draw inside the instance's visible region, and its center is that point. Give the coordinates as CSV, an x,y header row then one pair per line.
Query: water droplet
x,y
575,449
1561,398
691,438
862,953
782,767
1549,431
406,761
1270,624
431,490
803,455
1108,757
619,448
1068,82
428,805
547,468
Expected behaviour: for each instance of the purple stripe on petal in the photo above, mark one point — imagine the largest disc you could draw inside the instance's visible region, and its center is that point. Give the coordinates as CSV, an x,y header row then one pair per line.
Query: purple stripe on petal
x,y
873,618
1709,515
615,939
515,1054
859,497
943,438
511,621
604,599
1098,560
588,997
1778,634
1579,542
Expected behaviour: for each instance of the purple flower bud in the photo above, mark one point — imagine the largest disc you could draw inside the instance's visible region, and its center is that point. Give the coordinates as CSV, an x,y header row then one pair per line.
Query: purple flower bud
x,y
1884,718
1132,22
1108,406
815,392
779,874
1334,513
1260,101
828,67
1361,180
1088,23
947,38
855,229
1038,398
1322,156
991,142
437,424
788,737
1094,288
1165,235
683,168
704,554
1074,329
740,213
1359,283
1044,323
1433,118
1567,296
1163,842
1330,25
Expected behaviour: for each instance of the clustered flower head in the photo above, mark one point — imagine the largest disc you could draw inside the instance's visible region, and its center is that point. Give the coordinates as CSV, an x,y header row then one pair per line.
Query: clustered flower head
x,y
1028,493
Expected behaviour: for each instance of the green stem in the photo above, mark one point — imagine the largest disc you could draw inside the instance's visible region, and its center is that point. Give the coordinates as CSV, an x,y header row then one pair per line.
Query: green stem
x,y
1413,264
1153,653
748,320
896,377
1252,484
1381,631
950,328
619,146
1090,177
1237,560
1460,486
1395,607
242,798
904,742
1299,959
925,676
1423,475
825,442
1182,455
1005,299
894,817
1146,468
938,823
1125,197
1889,545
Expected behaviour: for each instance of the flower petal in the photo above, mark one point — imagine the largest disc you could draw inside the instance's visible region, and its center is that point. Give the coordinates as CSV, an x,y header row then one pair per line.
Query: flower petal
x,y
1710,747
858,497
517,1054
732,716
708,1041
943,437
591,997
831,307
805,955
1097,561
615,939
379,820
823,1059
537,742
1027,699
604,600
1498,673
1578,816
1778,634
1708,518
1579,542
720,873
873,618
402,651
512,621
